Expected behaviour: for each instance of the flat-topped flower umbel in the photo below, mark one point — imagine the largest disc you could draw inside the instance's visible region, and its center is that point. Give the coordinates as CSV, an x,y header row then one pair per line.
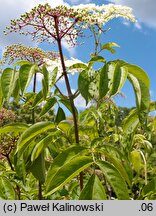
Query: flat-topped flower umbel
x,y
45,23
16,52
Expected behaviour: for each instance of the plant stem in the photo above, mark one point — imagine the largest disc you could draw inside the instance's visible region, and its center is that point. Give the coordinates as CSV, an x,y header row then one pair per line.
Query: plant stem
x,y
9,162
33,122
70,95
12,168
40,191
34,91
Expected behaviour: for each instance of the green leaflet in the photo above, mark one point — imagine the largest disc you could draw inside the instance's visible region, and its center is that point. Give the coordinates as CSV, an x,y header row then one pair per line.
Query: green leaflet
x,y
49,104
96,59
19,165
23,62
104,79
38,98
7,83
52,77
115,179
41,146
66,173
136,160
141,84
32,132
65,126
108,46
78,66
45,82
131,122
83,85
14,127
60,115
7,191
1,96
66,103
139,73
61,160
94,190
26,73
38,168
119,78
149,189
16,88
118,164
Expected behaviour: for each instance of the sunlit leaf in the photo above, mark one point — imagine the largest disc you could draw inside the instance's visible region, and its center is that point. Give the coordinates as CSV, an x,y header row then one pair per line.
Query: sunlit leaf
x,y
94,190
115,179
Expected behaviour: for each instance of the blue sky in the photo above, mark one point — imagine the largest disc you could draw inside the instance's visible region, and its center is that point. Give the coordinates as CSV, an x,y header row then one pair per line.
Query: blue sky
x,y
137,42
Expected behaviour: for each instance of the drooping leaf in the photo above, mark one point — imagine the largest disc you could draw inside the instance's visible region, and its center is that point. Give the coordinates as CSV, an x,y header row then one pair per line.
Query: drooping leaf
x,y
67,172
115,179
141,84
32,132
94,190
139,73
49,104
136,160
7,191
26,73
7,82
60,115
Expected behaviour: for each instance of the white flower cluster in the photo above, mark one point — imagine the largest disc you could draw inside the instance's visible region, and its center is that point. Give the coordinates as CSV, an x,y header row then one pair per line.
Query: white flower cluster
x,y
95,14
42,20
51,65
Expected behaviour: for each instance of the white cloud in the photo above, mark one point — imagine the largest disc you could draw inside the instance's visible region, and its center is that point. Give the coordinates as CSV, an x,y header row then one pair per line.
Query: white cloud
x,y
80,102
76,2
144,10
71,50
12,9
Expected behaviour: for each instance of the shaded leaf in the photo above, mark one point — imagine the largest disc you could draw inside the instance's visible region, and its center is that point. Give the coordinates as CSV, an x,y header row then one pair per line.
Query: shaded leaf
x,y
60,115
38,168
